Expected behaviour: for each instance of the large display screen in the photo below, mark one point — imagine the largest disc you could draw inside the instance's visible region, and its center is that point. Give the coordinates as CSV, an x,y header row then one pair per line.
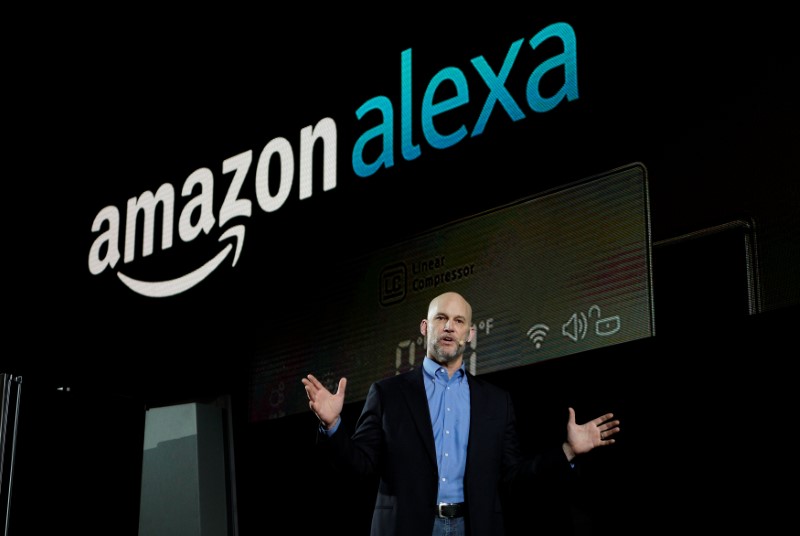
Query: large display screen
x,y
564,271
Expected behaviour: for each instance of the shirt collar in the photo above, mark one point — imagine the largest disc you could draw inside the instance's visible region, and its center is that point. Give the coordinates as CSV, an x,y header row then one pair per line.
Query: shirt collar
x,y
430,366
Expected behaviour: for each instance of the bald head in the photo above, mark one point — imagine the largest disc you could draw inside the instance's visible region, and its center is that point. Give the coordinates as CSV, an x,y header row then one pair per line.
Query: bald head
x,y
453,302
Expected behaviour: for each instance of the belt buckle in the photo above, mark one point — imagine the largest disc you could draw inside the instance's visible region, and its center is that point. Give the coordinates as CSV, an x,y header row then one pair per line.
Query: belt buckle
x,y
439,507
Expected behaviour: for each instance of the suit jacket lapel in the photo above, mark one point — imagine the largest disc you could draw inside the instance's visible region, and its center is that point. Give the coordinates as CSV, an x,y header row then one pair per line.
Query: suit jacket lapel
x,y
417,401
478,405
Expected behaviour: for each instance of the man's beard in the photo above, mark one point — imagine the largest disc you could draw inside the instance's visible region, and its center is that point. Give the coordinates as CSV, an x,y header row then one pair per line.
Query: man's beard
x,y
444,356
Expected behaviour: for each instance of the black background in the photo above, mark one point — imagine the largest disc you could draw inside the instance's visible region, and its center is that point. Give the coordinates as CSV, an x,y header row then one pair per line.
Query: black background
x,y
101,112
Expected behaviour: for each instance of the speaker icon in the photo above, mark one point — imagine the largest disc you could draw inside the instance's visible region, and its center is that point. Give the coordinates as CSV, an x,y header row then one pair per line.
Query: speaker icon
x,y
575,328
537,333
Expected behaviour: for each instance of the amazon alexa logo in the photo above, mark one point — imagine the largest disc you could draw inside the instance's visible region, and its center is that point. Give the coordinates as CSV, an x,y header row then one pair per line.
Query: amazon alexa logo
x,y
393,284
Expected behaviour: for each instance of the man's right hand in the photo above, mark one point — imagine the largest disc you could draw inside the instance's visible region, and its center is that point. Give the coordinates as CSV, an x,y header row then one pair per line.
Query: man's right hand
x,y
325,405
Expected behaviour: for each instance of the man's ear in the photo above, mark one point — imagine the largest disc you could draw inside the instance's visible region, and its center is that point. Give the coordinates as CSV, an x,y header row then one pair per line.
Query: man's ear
x,y
472,332
423,327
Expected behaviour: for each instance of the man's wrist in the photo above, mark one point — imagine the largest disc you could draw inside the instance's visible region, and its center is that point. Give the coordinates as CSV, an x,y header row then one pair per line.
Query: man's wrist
x,y
329,429
568,452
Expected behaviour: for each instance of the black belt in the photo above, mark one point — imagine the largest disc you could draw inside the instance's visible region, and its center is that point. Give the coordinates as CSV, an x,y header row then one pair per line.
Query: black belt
x,y
450,509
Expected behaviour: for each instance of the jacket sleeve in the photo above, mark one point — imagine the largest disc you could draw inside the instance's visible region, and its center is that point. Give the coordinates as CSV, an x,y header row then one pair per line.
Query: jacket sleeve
x,y
361,451
550,462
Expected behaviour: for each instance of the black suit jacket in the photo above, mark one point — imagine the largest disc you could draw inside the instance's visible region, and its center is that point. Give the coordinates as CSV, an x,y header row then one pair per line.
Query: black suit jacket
x,y
393,439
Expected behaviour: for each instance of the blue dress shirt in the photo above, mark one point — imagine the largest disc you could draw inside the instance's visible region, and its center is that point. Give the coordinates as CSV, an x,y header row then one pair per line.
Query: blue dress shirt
x,y
448,400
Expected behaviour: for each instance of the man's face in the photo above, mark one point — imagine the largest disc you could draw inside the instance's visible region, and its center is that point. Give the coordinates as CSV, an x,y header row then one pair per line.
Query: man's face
x,y
448,328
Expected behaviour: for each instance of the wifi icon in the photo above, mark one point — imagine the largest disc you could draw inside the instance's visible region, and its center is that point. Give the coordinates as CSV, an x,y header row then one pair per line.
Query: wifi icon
x,y
537,333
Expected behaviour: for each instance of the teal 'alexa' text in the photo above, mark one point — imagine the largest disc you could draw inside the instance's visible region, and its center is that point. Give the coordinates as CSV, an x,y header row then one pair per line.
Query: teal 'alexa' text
x,y
454,81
